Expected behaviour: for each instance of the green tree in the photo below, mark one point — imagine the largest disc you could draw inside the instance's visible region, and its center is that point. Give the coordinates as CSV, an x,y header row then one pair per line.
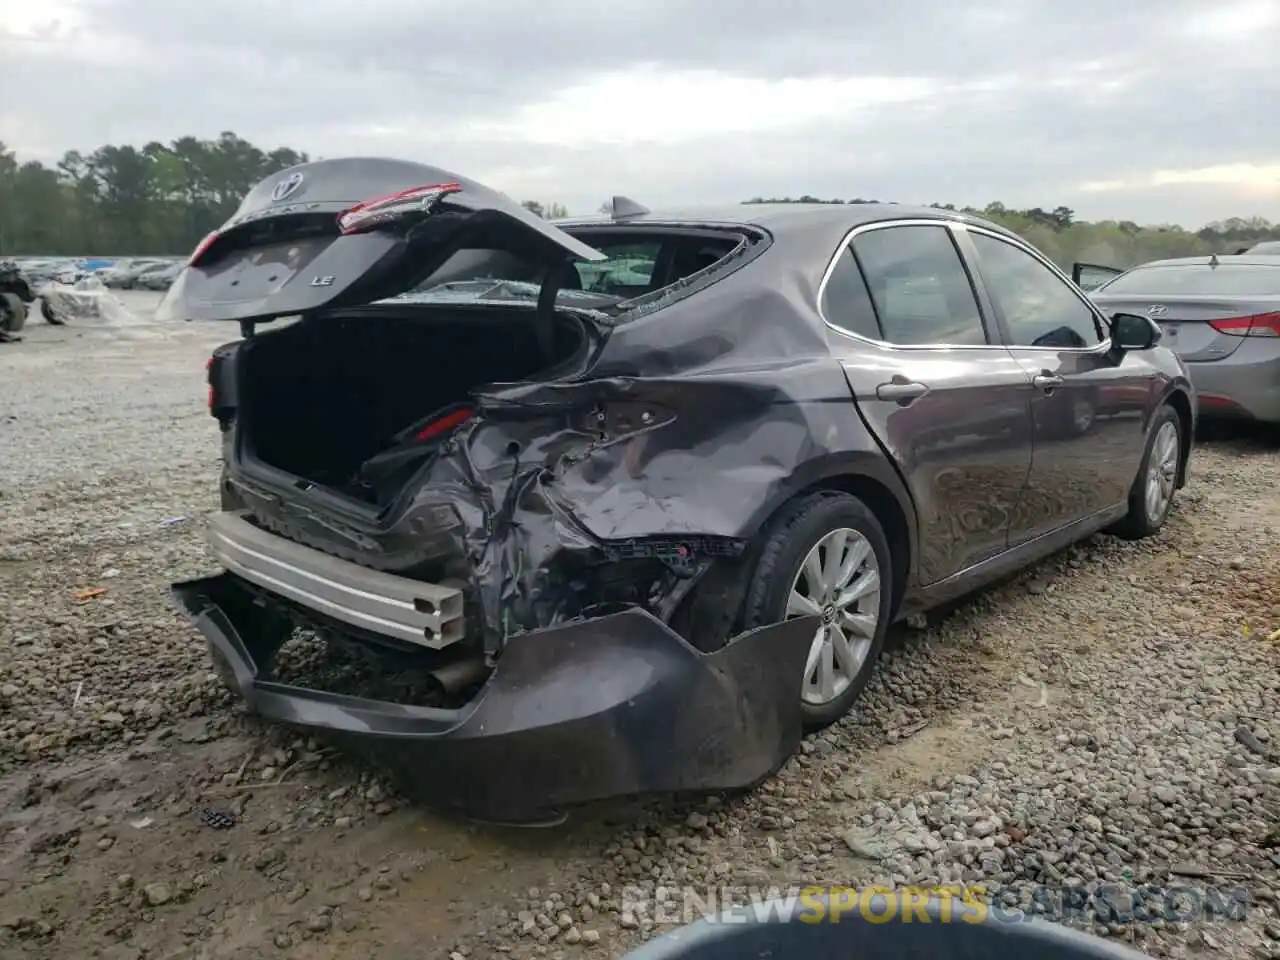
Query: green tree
x,y
128,200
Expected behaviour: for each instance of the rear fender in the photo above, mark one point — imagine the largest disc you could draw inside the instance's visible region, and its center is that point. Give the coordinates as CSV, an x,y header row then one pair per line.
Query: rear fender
x,y
609,461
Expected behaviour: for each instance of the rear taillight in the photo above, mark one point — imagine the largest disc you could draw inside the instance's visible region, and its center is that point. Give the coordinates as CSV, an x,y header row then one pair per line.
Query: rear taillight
x,y
208,375
202,247
443,424
1257,325
372,213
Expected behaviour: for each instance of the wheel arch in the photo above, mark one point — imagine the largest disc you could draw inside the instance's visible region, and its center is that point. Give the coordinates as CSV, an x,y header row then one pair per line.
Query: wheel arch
x,y
877,485
1181,404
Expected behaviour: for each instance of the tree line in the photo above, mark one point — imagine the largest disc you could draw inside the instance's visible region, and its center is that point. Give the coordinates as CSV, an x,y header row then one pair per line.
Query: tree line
x,y
162,198
1113,243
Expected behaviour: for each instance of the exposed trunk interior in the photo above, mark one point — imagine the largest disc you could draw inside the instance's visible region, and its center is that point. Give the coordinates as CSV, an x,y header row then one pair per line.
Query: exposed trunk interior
x,y
337,401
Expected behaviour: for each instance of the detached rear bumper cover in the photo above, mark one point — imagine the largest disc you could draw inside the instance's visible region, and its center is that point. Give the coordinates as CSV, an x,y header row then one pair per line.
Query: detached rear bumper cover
x,y
595,709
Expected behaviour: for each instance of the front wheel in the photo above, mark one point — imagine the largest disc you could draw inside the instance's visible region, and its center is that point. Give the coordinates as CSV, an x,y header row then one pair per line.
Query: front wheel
x,y
826,555
1152,493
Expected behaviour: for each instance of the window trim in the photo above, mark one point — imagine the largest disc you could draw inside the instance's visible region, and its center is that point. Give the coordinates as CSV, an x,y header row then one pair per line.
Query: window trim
x,y
978,293
1104,346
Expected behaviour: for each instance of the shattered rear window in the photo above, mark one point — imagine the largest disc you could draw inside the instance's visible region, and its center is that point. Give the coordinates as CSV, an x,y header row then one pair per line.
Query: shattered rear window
x,y
636,266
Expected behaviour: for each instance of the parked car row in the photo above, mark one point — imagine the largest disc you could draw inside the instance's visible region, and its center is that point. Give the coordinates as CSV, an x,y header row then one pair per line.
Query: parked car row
x,y
147,273
144,273
41,271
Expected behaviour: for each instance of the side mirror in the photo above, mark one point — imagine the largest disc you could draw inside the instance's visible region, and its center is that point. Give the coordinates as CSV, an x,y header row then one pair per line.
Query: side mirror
x,y
1129,331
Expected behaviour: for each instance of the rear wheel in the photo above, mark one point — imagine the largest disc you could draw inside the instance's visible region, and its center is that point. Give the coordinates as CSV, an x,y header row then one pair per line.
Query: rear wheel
x,y
1152,493
826,555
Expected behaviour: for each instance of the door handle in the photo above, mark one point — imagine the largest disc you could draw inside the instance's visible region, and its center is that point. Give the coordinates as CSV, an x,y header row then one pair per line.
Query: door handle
x,y
1046,381
902,392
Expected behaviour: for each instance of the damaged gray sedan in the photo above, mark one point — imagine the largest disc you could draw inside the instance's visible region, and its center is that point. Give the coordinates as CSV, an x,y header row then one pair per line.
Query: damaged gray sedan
x,y
634,499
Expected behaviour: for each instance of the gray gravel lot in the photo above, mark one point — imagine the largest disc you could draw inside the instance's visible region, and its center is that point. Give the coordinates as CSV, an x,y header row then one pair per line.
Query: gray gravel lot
x,y
1110,718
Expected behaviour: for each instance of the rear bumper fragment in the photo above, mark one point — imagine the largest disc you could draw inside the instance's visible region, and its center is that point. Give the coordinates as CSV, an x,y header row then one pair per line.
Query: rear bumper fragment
x,y
421,613
615,706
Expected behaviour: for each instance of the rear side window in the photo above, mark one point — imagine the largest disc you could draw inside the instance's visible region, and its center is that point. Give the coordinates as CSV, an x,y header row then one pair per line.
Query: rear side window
x,y
1198,279
846,303
920,288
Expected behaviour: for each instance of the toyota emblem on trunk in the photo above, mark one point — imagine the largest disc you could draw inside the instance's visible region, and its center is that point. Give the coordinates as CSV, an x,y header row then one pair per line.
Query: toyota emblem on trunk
x,y
286,186
1157,310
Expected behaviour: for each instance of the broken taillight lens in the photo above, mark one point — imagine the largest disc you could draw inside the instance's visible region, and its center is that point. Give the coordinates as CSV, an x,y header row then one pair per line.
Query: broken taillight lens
x,y
372,213
443,424
1256,325
202,247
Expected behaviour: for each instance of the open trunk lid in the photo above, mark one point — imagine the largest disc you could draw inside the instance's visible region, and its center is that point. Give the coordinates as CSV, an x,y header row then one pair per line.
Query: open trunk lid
x,y
345,232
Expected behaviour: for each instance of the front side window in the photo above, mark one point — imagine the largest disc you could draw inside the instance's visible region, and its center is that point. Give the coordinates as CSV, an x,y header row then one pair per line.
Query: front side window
x,y
919,286
1040,309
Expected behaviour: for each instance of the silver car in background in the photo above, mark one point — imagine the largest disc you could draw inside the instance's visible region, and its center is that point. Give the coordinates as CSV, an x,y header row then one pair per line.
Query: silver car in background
x,y
1221,315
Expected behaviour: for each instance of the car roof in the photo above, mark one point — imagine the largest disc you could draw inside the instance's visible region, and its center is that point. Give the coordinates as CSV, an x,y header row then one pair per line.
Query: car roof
x,y
785,218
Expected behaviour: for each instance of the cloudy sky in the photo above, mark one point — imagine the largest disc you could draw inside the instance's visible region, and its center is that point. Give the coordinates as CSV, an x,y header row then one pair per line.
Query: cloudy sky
x,y
1151,110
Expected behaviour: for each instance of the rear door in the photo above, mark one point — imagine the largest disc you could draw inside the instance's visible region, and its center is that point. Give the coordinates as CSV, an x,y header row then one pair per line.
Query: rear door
x,y
339,233
1204,310
947,404
1090,406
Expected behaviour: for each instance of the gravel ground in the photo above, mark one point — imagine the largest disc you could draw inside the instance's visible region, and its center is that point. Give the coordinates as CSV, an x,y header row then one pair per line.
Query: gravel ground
x,y
1108,718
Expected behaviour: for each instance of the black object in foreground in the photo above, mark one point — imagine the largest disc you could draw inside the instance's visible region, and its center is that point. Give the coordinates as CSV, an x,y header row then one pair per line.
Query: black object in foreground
x,y
938,930
218,819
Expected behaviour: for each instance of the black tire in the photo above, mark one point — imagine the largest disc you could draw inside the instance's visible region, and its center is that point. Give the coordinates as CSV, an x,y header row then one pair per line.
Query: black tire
x,y
50,315
788,539
13,312
1139,522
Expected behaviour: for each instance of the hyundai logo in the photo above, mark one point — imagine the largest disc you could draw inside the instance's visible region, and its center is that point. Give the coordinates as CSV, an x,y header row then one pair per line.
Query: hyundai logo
x,y
286,187
1157,310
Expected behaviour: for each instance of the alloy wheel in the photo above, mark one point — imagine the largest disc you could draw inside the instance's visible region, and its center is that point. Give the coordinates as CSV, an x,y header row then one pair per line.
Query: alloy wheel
x,y
1162,471
839,581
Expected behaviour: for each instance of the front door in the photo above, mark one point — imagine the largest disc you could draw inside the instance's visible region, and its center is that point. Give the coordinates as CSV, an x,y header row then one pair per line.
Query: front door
x,y
949,406
1089,406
